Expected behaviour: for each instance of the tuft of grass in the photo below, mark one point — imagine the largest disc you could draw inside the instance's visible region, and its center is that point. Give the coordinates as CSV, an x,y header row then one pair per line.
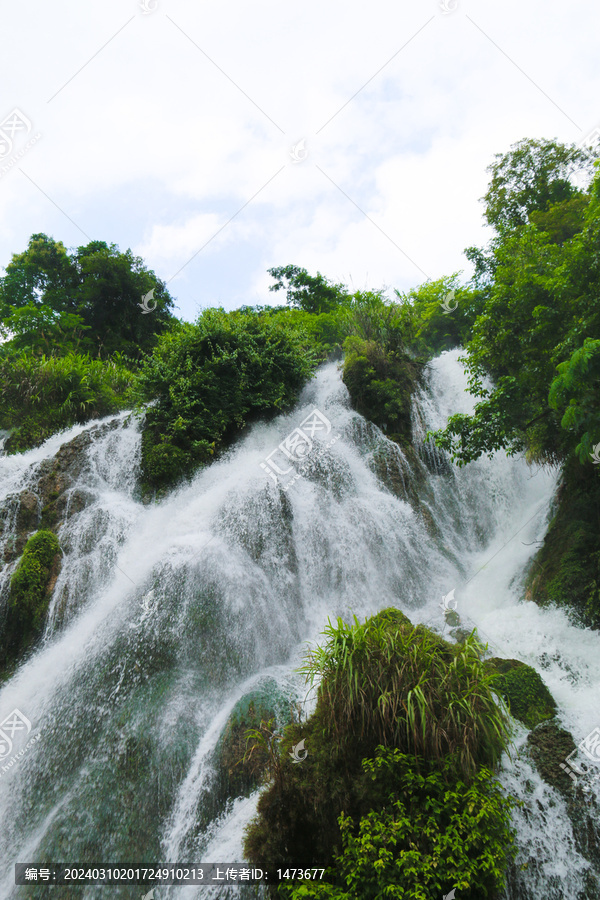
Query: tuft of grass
x,y
402,686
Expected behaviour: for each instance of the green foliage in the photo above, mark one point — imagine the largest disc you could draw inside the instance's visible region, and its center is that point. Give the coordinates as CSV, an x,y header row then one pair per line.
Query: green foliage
x,y
424,839
532,176
443,313
380,385
211,378
312,293
52,302
403,723
325,331
576,391
32,328
29,595
41,395
566,569
540,317
385,682
528,698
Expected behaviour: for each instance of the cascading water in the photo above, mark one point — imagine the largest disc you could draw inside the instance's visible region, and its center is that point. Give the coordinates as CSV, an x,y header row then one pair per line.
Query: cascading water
x,y
163,616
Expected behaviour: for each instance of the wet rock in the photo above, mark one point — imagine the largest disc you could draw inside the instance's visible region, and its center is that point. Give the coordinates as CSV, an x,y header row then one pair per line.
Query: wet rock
x,y
435,459
529,699
549,745
242,764
28,512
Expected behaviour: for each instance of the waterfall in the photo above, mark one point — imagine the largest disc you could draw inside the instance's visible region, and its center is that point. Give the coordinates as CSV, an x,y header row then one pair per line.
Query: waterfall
x,y
165,615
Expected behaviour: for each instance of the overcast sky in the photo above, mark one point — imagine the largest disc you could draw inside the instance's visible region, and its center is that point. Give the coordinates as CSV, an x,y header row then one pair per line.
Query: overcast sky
x,y
171,130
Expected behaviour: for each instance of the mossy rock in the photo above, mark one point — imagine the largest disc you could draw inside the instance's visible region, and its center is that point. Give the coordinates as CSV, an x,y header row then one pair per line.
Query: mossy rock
x,y
529,699
452,618
549,746
392,617
30,590
241,769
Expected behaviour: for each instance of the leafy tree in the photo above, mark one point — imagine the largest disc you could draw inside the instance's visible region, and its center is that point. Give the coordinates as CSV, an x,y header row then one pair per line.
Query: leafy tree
x,y
537,313
111,287
312,293
52,301
532,176
40,329
443,313
42,274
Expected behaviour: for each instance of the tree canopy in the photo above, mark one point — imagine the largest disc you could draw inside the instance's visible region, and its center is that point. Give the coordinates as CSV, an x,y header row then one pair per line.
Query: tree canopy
x,y
90,300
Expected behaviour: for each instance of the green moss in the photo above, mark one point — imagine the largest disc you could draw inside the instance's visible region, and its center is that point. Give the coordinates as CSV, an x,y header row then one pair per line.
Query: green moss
x,y
243,763
529,699
29,593
566,570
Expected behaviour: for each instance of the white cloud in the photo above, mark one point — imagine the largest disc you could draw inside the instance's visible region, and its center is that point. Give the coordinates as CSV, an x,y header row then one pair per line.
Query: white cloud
x,y
155,146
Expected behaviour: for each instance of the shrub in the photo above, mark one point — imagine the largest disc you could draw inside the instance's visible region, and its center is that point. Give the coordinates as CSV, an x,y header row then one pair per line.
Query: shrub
x,y
381,384
424,838
396,685
386,684
208,380
42,395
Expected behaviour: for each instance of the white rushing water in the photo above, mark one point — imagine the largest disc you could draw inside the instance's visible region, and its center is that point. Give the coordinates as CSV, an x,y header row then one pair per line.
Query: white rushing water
x,y
164,615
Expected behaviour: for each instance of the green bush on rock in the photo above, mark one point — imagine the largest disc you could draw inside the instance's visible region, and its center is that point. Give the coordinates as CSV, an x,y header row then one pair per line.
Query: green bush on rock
x,y
427,837
42,395
30,593
208,380
381,383
400,751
